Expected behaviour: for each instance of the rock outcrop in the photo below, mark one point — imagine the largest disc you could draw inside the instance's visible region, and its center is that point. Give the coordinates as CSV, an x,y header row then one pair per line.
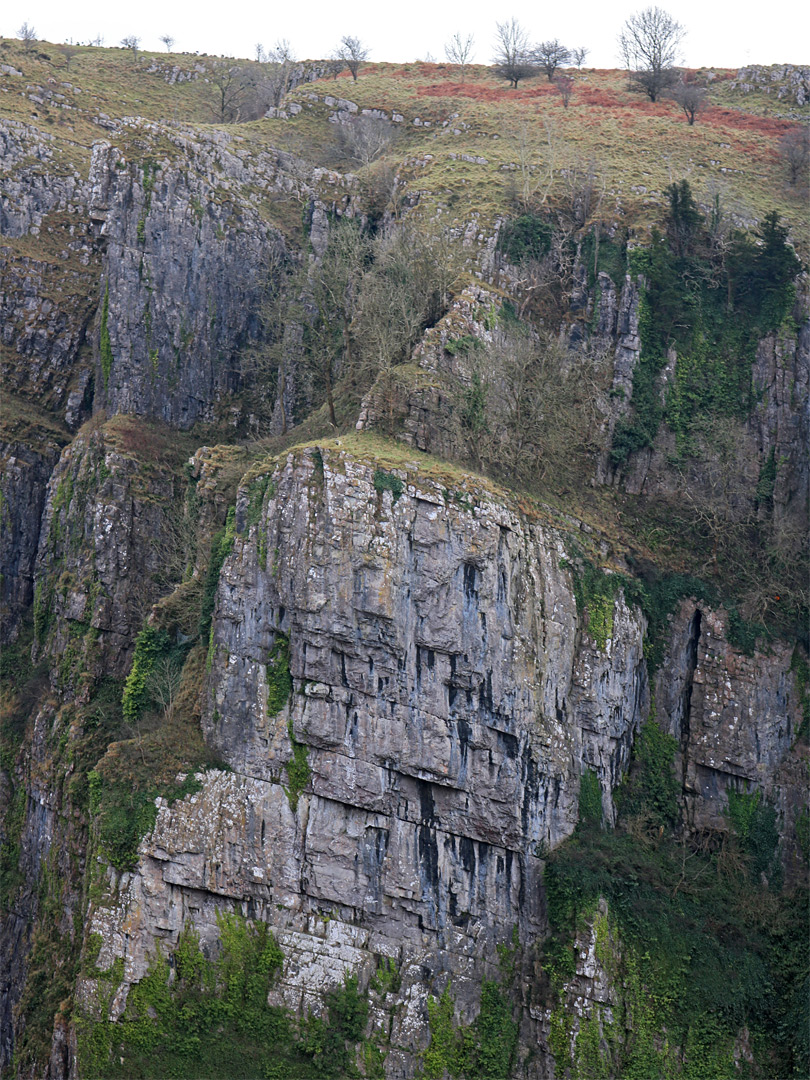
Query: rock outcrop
x,y
446,700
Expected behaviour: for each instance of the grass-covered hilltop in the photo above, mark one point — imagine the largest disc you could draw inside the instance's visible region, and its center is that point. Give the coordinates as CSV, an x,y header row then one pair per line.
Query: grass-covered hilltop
x,y
404,503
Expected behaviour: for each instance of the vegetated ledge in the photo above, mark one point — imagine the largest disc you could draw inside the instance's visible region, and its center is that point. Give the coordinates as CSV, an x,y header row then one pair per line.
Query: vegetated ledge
x,y
450,481
602,557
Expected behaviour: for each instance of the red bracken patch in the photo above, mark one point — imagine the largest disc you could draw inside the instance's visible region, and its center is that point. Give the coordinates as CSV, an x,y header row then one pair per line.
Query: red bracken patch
x,y
743,121
592,95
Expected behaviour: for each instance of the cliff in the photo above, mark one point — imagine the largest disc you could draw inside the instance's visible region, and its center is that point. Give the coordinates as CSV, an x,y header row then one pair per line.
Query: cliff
x,y
403,663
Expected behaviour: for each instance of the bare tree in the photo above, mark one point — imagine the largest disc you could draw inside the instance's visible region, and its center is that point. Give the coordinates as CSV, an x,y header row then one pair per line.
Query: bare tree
x,y
279,65
550,55
794,149
513,54
68,50
692,98
458,50
168,41
363,139
230,86
334,65
583,188
405,290
163,684
352,52
564,85
281,317
578,55
132,43
537,151
334,290
649,45
379,192
540,402
27,35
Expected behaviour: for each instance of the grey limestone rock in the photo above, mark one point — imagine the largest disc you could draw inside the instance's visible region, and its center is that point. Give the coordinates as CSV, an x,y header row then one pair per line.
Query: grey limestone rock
x,y
25,466
448,699
104,543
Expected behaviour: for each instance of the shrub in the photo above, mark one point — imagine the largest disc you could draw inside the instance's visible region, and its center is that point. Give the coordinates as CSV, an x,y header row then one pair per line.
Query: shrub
x,y
651,789
279,680
528,236
712,307
754,821
221,547
590,800
149,646
298,770
104,344
386,481
194,1016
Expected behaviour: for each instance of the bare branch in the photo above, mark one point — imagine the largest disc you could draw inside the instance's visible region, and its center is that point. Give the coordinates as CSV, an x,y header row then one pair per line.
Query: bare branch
x,y
649,45
352,52
513,55
550,55
27,35
458,50
692,98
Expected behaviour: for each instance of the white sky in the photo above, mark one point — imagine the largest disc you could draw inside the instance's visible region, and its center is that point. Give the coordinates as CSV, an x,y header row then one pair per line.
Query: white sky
x,y
720,33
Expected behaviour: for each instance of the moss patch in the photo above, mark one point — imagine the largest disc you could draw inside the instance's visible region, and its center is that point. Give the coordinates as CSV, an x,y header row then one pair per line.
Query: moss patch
x,y
298,770
279,680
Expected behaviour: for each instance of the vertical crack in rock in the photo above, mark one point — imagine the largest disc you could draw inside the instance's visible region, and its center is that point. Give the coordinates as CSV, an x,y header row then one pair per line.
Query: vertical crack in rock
x,y
686,697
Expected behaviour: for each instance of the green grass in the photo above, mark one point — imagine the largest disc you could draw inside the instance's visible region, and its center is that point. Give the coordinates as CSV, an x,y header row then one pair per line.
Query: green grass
x,y
481,118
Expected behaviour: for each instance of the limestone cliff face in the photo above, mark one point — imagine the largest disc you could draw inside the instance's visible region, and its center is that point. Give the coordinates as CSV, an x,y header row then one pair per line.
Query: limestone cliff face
x,y
447,699
105,545
37,185
736,718
182,274
189,255
400,685
27,457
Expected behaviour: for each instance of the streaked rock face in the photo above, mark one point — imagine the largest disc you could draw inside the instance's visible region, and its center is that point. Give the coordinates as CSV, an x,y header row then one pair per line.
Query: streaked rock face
x,y
449,704
449,700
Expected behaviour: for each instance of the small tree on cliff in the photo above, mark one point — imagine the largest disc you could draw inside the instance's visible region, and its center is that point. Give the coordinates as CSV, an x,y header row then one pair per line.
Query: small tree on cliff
x,y
279,66
794,149
132,43
578,55
230,87
513,54
564,85
458,50
649,44
352,52
692,98
550,55
27,35
334,291
68,50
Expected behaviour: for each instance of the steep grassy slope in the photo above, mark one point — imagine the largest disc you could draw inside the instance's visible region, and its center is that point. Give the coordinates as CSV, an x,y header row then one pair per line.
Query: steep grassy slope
x,y
467,146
